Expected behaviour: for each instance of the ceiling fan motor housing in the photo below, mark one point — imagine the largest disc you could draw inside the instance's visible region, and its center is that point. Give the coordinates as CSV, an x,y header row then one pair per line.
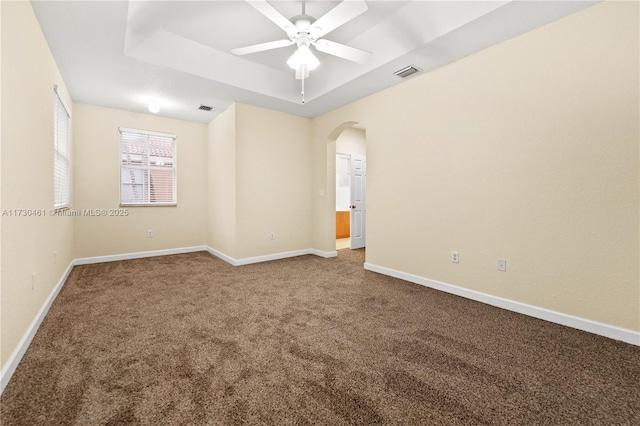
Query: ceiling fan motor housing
x,y
303,28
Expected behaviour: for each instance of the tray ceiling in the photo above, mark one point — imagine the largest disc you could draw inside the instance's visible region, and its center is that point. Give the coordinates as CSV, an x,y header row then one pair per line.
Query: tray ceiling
x,y
123,54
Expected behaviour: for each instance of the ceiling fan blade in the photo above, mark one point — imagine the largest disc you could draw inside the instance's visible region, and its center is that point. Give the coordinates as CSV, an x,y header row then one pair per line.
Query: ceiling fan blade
x,y
273,15
341,14
261,47
343,51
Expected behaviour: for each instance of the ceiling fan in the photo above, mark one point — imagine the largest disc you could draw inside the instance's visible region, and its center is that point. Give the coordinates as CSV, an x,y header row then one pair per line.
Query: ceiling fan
x,y
305,31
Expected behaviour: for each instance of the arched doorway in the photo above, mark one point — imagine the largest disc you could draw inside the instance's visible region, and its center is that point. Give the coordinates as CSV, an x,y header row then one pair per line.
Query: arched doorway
x,y
346,163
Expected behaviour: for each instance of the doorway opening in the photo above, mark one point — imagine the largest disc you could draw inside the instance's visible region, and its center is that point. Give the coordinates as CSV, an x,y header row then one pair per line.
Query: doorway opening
x,y
350,205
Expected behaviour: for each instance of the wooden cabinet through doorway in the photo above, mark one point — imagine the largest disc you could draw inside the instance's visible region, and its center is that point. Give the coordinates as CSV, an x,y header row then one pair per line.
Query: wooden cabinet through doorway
x,y
343,224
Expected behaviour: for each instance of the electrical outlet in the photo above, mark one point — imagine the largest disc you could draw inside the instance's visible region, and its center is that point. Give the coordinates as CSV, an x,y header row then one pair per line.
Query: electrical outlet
x,y
502,265
149,233
455,257
272,235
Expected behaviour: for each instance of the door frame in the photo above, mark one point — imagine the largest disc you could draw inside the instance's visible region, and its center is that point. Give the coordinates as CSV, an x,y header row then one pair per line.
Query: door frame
x,y
332,151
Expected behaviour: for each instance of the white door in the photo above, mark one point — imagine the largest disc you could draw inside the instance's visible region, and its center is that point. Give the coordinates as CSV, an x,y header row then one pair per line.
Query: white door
x,y
358,200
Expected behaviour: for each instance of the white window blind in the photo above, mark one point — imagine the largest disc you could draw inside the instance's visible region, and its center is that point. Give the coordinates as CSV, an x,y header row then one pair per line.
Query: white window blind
x,y
147,168
62,154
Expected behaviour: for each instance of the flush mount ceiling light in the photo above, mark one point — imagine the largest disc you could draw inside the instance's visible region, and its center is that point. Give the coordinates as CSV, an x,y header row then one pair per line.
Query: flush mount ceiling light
x,y
153,107
305,31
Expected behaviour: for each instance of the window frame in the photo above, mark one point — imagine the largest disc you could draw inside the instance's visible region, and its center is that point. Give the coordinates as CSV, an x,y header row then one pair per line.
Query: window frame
x,y
148,167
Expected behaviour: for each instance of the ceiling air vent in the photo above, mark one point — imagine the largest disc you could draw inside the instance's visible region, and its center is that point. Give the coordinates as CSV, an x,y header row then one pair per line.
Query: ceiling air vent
x,y
205,107
407,71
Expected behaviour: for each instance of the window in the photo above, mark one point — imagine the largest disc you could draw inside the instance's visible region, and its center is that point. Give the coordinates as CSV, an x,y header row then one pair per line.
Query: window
x,y
61,155
147,168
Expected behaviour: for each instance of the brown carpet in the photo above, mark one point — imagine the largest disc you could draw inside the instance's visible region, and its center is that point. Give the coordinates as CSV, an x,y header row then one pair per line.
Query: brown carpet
x,y
188,339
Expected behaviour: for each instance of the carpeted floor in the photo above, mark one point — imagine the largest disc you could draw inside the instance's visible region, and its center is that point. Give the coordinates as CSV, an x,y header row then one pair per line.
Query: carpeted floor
x,y
188,339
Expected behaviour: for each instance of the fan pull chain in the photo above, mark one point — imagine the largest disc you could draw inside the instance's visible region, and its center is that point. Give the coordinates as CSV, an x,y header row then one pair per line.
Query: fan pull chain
x,y
302,88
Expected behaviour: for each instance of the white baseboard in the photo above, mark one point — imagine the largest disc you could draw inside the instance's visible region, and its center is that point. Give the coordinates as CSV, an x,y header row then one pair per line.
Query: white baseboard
x,y
325,254
606,330
230,260
138,255
269,257
16,356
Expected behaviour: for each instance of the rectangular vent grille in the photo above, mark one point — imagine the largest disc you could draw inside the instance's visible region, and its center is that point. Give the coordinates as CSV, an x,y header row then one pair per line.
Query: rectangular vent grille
x,y
205,108
407,71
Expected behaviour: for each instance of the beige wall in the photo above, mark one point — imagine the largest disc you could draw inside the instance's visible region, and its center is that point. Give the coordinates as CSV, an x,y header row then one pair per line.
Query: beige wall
x,y
526,151
352,141
28,243
221,182
97,178
259,182
1,358
273,181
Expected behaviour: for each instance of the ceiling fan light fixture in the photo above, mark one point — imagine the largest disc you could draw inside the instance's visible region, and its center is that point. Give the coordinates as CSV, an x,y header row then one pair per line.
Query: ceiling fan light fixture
x,y
303,56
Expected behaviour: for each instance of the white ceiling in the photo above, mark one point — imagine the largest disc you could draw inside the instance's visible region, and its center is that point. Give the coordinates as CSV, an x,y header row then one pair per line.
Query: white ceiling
x,y
122,54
